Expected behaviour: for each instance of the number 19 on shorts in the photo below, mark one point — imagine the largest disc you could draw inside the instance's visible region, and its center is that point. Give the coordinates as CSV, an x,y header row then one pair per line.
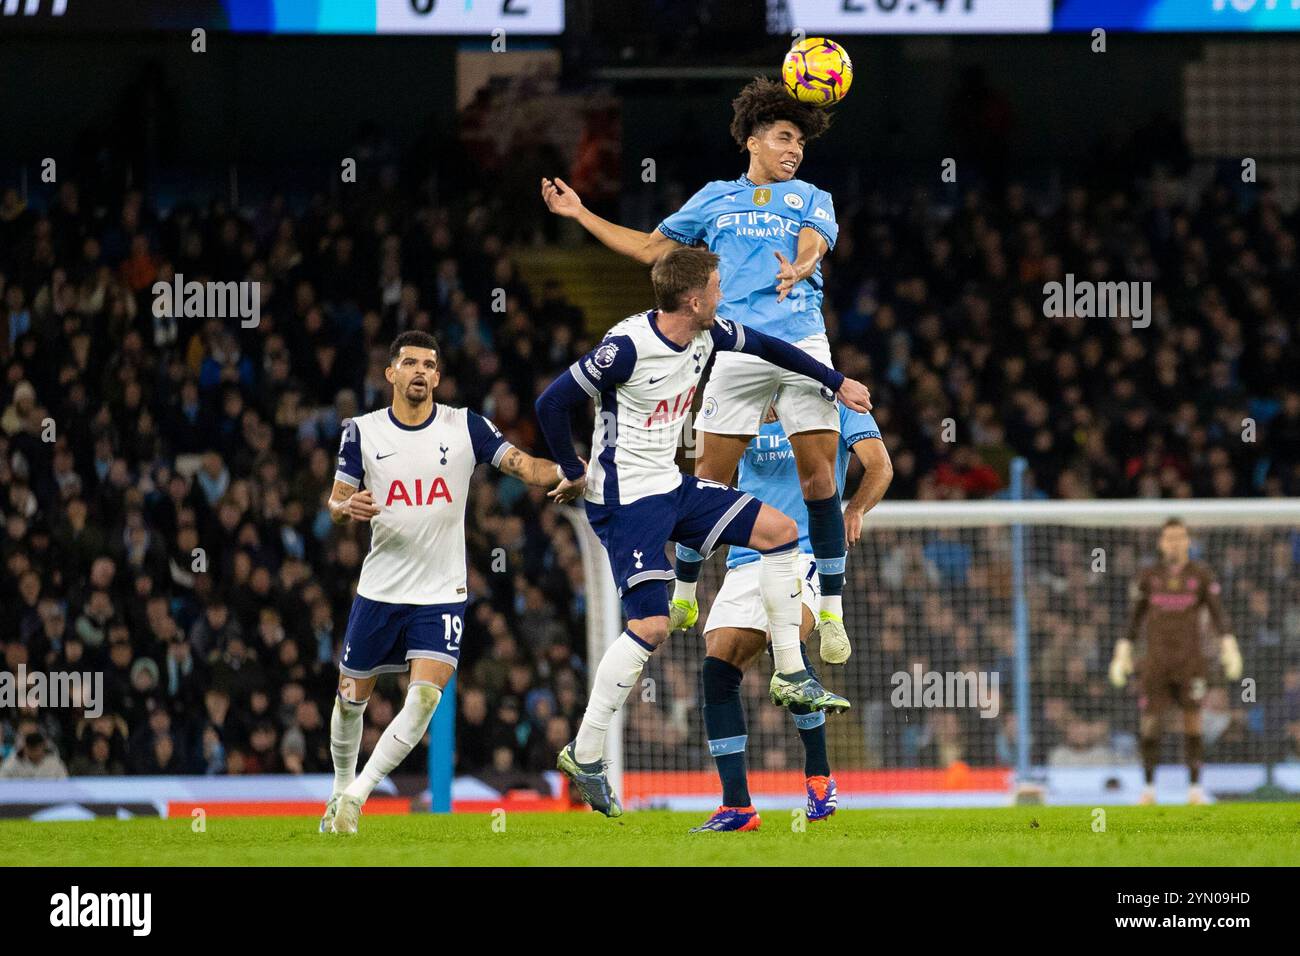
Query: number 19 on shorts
x,y
452,628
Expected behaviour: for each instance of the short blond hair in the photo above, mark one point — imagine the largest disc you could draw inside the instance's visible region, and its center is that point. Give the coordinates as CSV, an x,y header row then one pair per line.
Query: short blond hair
x,y
678,272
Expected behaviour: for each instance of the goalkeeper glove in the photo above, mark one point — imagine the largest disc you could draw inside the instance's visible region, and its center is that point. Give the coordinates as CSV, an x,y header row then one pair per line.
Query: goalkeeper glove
x,y
1121,665
1230,657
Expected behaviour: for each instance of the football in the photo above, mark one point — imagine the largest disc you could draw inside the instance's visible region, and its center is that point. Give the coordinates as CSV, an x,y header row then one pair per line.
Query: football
x,y
817,72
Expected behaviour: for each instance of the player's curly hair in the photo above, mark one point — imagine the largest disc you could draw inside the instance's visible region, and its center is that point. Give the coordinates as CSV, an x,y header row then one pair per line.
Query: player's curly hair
x,y
763,102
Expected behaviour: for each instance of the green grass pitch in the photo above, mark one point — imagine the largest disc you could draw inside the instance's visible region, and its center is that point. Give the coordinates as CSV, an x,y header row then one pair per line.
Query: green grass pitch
x,y
1224,835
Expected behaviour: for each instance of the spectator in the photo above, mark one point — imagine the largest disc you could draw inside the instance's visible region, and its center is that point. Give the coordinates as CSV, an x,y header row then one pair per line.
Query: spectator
x,y
35,760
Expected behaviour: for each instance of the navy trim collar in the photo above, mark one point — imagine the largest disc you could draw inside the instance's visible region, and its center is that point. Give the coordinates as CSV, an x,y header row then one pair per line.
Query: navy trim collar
x,y
654,324
746,181
413,428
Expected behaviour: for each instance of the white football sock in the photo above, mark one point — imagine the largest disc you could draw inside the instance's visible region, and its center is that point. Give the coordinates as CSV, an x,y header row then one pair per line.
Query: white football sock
x,y
346,725
833,603
615,677
399,738
685,591
778,580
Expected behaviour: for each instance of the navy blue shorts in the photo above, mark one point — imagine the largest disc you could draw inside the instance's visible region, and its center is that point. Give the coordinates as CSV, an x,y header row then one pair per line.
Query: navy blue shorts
x,y
701,515
383,638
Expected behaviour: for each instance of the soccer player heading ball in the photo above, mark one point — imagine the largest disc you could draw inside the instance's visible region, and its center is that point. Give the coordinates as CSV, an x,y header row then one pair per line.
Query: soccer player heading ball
x,y
771,231
643,377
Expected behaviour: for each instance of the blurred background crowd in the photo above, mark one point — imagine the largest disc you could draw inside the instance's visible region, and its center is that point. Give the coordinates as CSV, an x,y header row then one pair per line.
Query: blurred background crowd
x,y
164,479
942,602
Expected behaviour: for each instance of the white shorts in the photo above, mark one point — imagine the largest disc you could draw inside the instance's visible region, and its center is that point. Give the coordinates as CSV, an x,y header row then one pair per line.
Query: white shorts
x,y
741,389
740,604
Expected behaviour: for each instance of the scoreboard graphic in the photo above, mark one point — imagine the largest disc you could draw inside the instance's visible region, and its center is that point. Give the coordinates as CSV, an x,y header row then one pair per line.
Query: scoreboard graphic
x,y
452,17
546,17
1172,16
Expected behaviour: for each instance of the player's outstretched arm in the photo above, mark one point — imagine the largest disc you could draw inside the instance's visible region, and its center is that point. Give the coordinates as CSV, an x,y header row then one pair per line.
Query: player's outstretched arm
x,y
878,472
555,416
644,247
529,470
543,472
740,338
606,366
349,504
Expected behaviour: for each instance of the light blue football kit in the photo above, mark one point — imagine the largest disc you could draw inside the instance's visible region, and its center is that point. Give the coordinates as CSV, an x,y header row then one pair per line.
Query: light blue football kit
x,y
745,224
768,472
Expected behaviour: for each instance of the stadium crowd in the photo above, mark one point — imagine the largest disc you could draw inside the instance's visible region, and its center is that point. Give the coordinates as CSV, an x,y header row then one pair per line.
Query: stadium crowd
x,y
945,317
164,478
943,603
165,481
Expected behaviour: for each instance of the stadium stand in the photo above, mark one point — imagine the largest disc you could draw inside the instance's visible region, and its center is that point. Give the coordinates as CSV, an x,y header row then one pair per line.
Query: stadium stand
x,y
180,444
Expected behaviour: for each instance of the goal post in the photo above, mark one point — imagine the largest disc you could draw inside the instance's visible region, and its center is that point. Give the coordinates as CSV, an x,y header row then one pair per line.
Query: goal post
x,y
982,632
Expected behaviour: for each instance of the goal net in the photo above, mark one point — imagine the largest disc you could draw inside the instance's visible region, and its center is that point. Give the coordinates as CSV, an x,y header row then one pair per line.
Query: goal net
x,y
982,634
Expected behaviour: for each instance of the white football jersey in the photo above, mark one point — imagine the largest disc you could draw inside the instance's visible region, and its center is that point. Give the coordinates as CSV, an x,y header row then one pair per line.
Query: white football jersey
x,y
643,385
420,476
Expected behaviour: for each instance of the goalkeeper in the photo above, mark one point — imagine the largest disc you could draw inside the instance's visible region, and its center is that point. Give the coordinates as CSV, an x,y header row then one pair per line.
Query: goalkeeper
x,y
736,631
1168,598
